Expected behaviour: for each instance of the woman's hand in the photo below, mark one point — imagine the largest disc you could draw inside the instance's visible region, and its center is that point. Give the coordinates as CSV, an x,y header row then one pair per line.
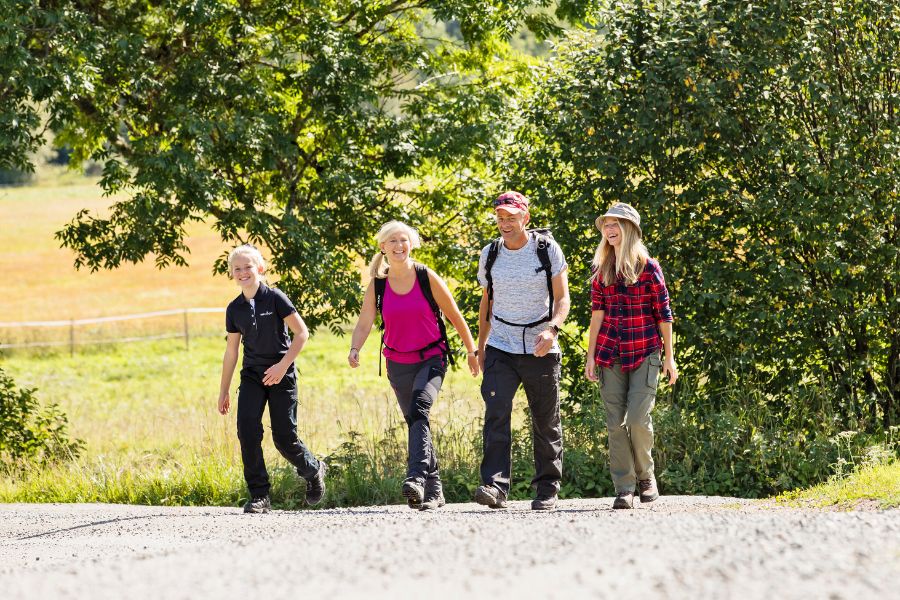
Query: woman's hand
x,y
590,369
670,370
224,403
353,358
474,364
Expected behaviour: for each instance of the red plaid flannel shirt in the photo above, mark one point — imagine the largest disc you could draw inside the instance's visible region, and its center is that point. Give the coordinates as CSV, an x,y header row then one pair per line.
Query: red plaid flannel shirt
x,y
629,330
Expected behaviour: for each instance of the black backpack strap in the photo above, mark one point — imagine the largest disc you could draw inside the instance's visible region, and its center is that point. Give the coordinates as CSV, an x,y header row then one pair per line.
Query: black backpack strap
x,y
425,286
493,252
543,252
380,283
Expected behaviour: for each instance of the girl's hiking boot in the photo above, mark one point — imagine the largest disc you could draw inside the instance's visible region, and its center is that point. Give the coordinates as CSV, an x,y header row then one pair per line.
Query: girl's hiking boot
x,y
624,500
648,490
315,486
260,504
490,496
414,493
434,495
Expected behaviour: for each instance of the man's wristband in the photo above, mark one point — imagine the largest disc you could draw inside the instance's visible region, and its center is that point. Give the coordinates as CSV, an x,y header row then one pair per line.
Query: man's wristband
x,y
555,329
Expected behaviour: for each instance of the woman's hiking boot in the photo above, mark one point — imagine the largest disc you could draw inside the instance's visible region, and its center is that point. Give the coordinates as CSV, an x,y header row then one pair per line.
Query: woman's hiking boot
x,y
648,490
624,500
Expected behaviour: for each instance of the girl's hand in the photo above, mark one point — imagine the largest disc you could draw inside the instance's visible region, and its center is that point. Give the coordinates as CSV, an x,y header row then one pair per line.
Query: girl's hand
x,y
474,364
670,369
590,369
224,403
274,374
353,358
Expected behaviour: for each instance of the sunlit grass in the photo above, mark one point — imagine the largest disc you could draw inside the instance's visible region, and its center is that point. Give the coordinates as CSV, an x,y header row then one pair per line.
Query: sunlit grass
x,y
878,483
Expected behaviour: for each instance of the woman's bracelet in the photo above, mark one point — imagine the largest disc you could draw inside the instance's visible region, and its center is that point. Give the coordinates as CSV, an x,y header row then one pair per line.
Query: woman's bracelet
x,y
352,349
473,353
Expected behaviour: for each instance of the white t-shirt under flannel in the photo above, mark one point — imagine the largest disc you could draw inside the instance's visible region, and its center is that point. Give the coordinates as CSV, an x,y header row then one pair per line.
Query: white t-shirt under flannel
x,y
520,294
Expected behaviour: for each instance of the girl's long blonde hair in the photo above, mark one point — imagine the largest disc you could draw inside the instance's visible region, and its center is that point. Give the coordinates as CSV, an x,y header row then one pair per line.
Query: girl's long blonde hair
x,y
628,262
378,267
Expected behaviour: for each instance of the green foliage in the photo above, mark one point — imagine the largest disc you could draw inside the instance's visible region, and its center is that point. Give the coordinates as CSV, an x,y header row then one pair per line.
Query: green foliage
x,y
759,142
301,126
29,434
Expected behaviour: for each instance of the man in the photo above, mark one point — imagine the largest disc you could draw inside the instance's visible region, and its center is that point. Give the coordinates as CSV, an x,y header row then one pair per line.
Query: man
x,y
525,301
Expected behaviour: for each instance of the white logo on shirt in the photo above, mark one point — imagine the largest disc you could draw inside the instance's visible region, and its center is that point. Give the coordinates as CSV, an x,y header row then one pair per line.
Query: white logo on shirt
x,y
265,314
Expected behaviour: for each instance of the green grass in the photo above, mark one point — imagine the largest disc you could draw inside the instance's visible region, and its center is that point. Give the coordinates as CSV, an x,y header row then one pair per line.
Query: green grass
x,y
147,414
878,483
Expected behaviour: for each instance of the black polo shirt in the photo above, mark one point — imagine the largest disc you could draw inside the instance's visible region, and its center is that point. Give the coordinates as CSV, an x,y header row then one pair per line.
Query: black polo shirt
x,y
261,324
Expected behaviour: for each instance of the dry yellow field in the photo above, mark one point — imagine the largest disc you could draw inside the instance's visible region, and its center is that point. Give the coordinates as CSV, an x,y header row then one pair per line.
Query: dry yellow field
x,y
51,289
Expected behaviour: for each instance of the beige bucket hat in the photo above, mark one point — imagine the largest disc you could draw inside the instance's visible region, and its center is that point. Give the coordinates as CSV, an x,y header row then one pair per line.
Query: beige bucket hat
x,y
620,210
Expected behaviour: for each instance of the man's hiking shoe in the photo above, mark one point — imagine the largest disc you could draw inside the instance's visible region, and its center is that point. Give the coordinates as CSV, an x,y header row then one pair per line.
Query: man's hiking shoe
x,y
544,502
414,493
315,485
624,500
490,496
434,495
260,504
648,490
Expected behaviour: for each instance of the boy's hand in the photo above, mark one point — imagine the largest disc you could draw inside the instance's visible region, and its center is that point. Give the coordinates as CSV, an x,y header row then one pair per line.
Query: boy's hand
x,y
274,374
224,403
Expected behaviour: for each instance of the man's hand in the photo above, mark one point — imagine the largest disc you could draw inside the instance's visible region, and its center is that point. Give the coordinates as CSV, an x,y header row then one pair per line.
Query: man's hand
x,y
543,342
224,403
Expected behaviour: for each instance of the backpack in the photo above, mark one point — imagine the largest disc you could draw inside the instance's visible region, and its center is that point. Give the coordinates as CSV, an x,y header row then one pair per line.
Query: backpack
x,y
543,237
425,286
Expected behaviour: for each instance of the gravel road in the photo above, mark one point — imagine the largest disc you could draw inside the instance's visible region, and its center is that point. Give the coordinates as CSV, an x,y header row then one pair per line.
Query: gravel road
x,y
677,547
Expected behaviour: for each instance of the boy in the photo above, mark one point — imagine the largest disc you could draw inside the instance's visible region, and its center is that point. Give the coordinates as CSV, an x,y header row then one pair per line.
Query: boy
x,y
261,316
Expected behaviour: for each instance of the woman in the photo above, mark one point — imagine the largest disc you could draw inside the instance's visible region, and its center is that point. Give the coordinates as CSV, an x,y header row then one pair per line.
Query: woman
x,y
631,320
415,347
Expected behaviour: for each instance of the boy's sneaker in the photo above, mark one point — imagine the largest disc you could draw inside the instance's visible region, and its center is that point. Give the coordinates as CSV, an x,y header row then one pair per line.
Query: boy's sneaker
x,y
434,495
490,496
260,504
624,500
544,501
414,493
315,485
649,493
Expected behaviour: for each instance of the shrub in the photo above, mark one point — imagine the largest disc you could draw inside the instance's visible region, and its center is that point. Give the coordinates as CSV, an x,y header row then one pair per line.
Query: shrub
x,y
30,434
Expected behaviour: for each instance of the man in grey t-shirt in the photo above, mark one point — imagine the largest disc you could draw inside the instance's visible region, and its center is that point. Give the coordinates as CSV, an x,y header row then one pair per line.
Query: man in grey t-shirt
x,y
517,330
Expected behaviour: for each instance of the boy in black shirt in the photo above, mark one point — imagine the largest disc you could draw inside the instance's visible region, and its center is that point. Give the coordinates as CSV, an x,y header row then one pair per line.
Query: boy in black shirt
x,y
261,316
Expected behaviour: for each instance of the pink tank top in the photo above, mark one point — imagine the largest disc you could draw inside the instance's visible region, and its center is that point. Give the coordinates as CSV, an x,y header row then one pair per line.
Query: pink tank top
x,y
409,325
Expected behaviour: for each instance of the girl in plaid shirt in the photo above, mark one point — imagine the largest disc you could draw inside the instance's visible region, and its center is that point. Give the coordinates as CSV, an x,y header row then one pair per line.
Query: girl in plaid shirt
x,y
631,321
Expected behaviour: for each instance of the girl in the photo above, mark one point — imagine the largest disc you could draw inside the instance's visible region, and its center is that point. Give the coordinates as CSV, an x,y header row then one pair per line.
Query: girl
x,y
630,321
415,347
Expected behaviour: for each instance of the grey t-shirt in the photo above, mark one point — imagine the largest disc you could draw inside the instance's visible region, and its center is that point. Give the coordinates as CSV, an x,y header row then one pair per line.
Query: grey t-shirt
x,y
520,294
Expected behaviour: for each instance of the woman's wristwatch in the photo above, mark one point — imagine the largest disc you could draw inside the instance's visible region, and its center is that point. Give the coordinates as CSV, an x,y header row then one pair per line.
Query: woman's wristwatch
x,y
473,353
555,330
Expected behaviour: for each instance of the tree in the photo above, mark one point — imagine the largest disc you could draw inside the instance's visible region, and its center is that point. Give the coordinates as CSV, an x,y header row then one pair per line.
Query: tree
x,y
761,142
298,125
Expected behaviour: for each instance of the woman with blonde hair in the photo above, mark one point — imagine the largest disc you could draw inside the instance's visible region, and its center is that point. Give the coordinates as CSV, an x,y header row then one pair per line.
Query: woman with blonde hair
x,y
410,299
631,320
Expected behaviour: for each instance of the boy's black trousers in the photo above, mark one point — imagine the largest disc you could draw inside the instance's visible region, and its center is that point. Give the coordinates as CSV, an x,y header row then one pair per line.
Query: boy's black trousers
x,y
282,400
